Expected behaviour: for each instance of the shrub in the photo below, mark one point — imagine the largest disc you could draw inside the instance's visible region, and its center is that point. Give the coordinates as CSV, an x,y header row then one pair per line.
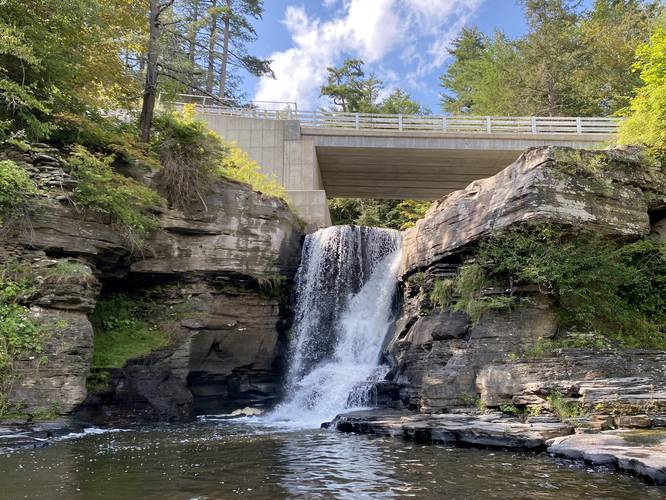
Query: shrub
x,y
104,135
442,293
598,285
19,333
122,331
16,188
102,189
192,156
470,284
189,154
238,166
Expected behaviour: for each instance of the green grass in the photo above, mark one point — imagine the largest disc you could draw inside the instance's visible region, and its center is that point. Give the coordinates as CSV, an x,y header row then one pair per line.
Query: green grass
x,y
565,409
123,332
68,271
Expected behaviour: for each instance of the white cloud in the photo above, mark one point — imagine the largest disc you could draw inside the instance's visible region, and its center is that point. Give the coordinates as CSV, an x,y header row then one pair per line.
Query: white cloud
x,y
417,30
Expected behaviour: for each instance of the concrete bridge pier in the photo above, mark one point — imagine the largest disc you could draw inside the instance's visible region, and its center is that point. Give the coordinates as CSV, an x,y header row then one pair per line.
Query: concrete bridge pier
x,y
283,153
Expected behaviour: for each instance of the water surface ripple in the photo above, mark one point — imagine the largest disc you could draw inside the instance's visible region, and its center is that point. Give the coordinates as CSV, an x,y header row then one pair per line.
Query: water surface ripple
x,y
220,460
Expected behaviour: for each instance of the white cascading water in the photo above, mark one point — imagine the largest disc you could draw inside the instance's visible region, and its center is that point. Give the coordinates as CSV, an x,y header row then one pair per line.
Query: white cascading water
x,y
344,309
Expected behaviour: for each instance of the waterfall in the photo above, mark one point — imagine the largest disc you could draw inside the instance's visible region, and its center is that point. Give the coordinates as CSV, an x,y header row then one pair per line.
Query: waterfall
x,y
345,288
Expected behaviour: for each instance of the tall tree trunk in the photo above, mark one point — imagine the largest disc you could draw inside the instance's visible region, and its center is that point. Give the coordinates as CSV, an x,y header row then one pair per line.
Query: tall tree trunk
x,y
192,49
212,42
225,51
150,87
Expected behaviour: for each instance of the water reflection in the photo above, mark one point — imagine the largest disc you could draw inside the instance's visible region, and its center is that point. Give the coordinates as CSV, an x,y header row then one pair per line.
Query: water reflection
x,y
221,461
326,463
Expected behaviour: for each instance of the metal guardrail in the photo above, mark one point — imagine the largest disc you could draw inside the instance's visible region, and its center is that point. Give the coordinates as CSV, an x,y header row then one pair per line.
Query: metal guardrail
x,y
423,123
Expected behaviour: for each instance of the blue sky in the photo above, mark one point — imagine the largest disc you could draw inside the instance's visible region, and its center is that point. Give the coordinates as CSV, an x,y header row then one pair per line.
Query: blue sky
x,y
402,41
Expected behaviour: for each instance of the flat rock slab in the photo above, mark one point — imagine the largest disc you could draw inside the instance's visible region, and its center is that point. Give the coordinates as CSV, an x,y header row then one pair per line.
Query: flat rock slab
x,y
642,452
478,430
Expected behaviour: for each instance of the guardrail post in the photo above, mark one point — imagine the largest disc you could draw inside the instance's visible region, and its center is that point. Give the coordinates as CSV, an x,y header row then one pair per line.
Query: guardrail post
x,y
444,123
488,125
579,125
358,122
534,125
400,123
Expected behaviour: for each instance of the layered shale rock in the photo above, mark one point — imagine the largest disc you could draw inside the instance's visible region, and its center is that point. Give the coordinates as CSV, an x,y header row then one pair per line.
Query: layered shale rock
x,y
216,269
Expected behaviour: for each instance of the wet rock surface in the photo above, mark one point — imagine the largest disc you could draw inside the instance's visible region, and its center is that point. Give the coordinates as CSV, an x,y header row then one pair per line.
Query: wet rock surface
x,y
638,452
492,430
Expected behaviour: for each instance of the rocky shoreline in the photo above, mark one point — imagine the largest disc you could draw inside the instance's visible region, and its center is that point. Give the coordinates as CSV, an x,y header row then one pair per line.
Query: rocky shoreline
x,y
640,452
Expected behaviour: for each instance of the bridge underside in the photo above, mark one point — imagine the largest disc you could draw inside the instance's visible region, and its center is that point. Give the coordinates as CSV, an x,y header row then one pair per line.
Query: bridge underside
x,y
395,173
314,163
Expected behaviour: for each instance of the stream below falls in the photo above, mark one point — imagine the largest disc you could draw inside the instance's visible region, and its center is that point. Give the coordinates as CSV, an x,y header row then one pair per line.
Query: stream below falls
x,y
223,459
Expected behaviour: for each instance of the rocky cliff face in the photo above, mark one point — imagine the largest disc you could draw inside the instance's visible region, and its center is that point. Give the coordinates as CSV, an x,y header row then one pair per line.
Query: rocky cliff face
x,y
209,265
442,360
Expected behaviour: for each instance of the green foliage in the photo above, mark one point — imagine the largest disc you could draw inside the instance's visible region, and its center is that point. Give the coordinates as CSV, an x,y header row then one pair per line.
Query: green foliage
x,y
442,293
105,135
19,333
123,331
470,284
238,166
544,348
571,62
99,380
193,156
270,286
509,408
466,399
65,59
16,188
565,410
598,285
68,271
102,189
189,153
351,91
394,214
417,279
646,121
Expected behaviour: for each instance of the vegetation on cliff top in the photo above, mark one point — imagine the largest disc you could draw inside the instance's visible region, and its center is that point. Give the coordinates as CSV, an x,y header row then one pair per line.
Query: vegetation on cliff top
x,y
646,120
574,60
102,189
192,157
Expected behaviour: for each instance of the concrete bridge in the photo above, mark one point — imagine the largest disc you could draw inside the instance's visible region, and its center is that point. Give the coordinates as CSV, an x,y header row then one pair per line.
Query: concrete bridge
x,y
320,154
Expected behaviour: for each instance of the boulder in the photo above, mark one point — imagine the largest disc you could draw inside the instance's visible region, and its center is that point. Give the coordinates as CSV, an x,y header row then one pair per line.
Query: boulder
x,y
609,192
